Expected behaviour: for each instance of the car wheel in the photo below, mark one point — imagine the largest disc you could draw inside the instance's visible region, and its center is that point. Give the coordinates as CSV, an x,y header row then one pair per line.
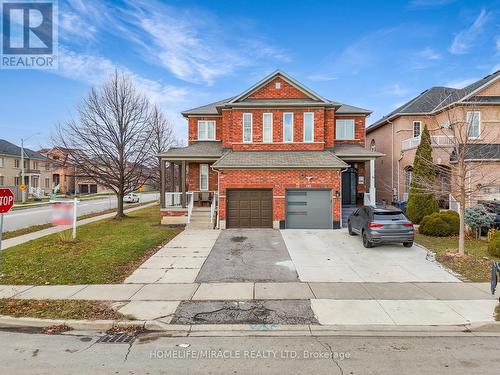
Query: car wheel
x,y
408,244
366,242
349,229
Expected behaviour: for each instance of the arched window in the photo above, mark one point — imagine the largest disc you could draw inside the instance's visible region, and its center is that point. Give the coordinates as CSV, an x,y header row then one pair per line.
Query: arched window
x,y
373,147
408,176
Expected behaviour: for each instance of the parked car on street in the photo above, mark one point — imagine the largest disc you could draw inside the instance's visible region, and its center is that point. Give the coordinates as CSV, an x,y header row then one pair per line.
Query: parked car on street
x,y
131,198
381,224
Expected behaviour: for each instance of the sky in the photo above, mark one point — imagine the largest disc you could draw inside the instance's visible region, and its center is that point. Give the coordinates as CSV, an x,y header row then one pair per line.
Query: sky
x,y
183,54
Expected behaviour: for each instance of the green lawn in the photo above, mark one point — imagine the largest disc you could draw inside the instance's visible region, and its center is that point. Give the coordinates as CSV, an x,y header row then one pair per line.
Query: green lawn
x,y
105,252
474,266
58,309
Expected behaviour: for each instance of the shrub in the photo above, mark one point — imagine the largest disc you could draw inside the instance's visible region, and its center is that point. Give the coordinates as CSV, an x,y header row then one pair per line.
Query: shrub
x,y
440,224
494,245
478,217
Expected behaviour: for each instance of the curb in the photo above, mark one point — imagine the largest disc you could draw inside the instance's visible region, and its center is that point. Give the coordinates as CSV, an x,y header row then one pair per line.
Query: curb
x,y
228,330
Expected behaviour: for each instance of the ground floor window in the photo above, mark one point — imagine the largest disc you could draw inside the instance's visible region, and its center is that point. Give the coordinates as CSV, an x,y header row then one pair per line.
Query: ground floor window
x,y
408,177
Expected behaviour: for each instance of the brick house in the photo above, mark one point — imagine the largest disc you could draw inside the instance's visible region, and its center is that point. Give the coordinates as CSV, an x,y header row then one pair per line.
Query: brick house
x,y
277,155
397,136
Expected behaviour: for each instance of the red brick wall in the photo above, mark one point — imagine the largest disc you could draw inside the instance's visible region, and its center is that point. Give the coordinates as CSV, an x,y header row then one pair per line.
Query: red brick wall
x,y
193,178
329,126
234,136
359,130
270,91
193,128
279,181
361,172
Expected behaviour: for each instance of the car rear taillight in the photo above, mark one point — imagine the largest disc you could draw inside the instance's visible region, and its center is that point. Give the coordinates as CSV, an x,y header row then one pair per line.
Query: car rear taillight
x,y
410,224
371,224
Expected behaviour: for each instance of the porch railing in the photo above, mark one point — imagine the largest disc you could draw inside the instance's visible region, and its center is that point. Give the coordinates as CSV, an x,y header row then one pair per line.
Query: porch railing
x,y
175,199
436,141
190,202
453,204
367,199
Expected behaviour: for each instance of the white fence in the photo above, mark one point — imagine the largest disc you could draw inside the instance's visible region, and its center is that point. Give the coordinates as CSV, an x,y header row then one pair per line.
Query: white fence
x,y
453,204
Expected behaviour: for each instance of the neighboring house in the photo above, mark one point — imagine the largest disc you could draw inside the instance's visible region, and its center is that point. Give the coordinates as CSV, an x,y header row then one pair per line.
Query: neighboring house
x,y
397,135
37,175
277,155
65,175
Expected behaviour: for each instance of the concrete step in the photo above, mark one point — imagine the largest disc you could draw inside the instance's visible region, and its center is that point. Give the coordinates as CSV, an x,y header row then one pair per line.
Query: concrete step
x,y
199,226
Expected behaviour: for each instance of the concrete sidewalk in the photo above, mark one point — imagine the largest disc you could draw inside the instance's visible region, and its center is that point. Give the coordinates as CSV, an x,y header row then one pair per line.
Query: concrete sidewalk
x,y
45,232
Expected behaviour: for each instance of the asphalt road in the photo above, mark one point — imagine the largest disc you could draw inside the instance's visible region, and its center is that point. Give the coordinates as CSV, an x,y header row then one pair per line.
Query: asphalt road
x,y
23,353
27,217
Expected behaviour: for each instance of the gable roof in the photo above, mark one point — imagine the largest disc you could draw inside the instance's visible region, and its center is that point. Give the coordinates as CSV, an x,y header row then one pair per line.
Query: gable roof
x,y
242,100
436,99
7,148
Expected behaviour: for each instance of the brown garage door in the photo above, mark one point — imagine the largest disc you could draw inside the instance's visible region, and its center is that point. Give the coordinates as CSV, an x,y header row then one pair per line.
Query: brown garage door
x,y
249,208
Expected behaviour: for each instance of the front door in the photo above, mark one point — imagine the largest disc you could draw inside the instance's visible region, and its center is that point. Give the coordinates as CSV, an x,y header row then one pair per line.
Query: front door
x,y
349,187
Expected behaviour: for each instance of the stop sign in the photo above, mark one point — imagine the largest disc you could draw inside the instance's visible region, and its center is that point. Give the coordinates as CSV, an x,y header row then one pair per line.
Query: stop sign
x,y
6,200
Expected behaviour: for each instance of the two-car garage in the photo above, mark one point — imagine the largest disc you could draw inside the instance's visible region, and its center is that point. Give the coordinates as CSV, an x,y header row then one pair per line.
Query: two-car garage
x,y
304,208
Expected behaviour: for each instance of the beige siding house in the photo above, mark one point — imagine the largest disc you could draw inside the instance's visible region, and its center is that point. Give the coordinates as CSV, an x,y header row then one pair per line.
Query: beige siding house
x,y
397,135
37,174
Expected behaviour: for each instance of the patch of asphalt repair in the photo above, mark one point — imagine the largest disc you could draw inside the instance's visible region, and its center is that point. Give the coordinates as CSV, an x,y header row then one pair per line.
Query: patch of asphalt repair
x,y
245,312
239,255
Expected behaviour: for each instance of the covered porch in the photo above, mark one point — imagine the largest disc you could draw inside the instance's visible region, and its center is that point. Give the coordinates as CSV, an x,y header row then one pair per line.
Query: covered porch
x,y
188,184
358,184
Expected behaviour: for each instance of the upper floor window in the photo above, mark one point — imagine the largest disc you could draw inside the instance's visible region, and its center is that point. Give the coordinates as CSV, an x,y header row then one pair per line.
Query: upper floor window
x,y
344,129
308,127
474,124
288,127
267,131
417,125
247,127
1,163
35,165
373,147
17,163
206,130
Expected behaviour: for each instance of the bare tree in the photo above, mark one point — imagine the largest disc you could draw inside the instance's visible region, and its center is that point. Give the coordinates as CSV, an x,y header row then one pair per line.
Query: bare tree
x,y
163,139
112,137
467,146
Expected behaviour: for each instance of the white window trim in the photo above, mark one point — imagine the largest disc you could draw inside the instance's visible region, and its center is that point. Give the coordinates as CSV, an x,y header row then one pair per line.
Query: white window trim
x,y
243,127
479,124
419,128
208,173
353,129
304,127
263,126
286,113
207,122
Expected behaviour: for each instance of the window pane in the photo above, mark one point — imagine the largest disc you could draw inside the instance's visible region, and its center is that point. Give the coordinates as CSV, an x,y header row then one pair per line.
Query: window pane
x,y
268,127
202,130
203,177
211,130
344,129
416,129
247,127
308,127
288,127
473,123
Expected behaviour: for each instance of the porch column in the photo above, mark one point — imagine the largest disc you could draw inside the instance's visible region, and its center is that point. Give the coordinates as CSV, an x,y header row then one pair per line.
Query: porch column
x,y
172,176
183,184
372,182
162,183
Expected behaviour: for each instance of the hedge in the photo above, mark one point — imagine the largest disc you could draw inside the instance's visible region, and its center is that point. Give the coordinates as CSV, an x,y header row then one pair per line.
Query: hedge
x,y
494,245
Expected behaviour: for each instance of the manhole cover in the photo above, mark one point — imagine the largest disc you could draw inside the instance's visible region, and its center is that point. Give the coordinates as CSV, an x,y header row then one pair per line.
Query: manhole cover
x,y
117,338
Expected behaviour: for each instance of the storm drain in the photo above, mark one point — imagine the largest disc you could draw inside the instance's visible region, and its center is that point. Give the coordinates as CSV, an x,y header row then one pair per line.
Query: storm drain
x,y
116,338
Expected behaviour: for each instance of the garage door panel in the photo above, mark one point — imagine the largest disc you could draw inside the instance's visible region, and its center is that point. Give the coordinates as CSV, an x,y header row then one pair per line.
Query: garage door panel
x,y
249,208
308,209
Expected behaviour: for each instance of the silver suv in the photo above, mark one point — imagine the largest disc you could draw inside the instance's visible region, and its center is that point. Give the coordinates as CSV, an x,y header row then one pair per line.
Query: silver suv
x,y
381,224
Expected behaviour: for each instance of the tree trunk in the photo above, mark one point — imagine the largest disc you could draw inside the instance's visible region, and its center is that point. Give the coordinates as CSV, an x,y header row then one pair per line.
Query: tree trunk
x,y
461,237
119,210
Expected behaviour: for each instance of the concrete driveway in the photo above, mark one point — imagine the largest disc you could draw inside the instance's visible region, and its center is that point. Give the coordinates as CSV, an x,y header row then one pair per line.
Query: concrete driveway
x,y
335,256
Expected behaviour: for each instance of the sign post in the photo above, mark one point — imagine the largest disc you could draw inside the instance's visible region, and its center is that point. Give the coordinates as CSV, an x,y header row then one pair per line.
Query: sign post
x,y
6,203
64,212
